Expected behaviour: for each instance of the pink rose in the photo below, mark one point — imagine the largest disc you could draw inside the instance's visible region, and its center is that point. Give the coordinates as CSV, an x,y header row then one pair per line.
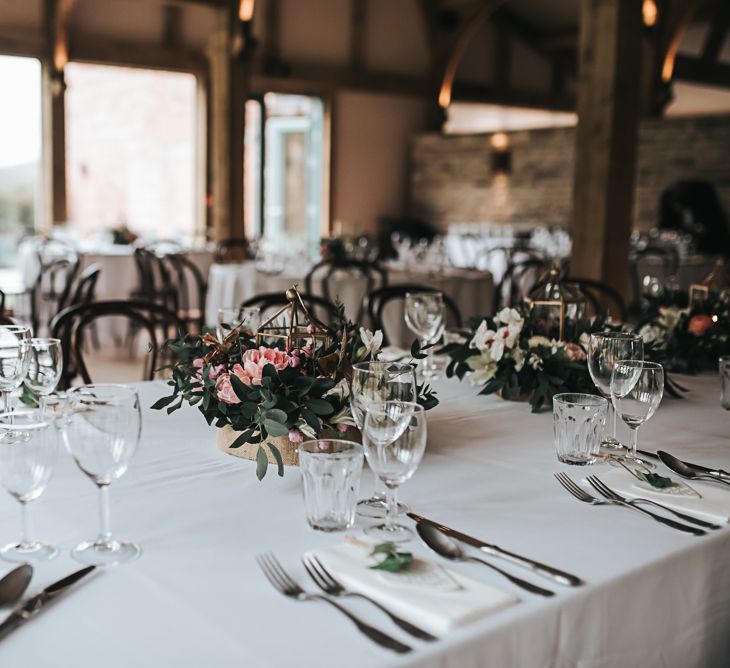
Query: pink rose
x,y
198,363
341,427
216,371
699,324
295,436
253,362
574,352
225,390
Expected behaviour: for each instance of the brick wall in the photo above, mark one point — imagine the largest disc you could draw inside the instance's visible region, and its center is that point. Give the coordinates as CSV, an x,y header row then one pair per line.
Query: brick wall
x,y
452,179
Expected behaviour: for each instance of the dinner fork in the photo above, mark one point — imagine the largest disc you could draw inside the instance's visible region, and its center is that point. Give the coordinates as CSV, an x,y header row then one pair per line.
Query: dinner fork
x,y
282,582
327,583
579,493
602,488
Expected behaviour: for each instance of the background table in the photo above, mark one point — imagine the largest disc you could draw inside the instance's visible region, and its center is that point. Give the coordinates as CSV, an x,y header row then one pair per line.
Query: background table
x,y
654,598
231,284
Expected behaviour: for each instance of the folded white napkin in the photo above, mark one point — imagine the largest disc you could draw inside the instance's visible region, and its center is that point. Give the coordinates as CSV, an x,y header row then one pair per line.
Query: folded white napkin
x,y
714,506
427,594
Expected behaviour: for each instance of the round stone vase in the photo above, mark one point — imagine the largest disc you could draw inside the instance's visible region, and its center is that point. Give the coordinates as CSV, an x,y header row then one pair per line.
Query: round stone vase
x,y
288,449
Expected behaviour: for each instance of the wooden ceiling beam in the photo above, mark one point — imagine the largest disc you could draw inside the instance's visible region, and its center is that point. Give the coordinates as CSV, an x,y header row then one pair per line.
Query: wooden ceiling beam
x,y
213,4
697,70
466,92
358,35
717,33
171,25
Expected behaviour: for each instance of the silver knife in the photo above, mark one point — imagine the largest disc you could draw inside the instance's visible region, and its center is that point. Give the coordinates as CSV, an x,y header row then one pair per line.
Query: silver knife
x,y
558,576
697,467
29,608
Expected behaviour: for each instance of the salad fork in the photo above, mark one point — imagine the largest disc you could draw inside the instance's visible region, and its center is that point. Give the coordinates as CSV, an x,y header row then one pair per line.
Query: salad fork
x,y
327,583
282,582
579,493
602,488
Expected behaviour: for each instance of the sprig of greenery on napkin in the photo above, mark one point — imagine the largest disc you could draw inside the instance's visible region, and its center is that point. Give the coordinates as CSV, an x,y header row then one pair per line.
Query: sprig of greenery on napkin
x,y
393,561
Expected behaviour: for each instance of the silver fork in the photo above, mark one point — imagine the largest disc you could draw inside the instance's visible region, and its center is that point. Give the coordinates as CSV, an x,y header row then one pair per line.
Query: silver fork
x,y
579,493
281,581
602,488
327,583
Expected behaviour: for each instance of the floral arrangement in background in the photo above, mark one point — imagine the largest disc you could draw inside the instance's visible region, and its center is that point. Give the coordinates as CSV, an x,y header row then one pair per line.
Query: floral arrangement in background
x,y
122,235
264,390
689,338
506,354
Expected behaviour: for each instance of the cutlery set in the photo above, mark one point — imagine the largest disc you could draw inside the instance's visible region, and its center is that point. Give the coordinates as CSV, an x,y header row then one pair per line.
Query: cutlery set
x,y
684,469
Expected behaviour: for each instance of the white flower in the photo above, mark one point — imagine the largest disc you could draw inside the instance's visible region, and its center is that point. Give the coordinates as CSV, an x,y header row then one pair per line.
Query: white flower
x,y
535,341
372,342
510,317
497,350
483,369
482,337
535,361
518,355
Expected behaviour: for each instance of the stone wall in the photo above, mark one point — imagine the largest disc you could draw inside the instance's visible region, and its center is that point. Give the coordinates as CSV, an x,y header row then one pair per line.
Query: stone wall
x,y
452,179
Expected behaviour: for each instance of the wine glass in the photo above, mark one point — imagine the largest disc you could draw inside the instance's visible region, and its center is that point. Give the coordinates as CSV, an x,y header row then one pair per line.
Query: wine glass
x,y
28,453
14,360
247,318
604,350
44,368
375,382
636,392
395,440
424,314
101,432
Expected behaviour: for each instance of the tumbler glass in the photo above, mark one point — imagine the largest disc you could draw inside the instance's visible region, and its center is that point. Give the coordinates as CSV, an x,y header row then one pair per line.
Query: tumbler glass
x,y
578,421
331,471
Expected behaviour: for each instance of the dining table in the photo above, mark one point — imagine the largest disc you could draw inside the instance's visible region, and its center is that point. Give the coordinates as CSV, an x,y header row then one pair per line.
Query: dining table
x,y
653,597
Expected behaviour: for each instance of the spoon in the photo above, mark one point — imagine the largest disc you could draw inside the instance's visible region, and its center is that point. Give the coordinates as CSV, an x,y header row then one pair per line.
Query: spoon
x,y
679,467
14,584
449,549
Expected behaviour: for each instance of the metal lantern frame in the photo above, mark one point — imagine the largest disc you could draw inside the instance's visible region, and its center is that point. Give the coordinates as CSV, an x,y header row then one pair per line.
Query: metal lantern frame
x,y
718,279
300,326
550,281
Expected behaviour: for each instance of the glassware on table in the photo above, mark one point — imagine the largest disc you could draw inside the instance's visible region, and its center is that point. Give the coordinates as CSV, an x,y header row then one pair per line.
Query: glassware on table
x,y
604,350
14,360
44,368
28,453
637,388
425,317
331,471
101,432
237,317
373,383
724,368
578,421
395,440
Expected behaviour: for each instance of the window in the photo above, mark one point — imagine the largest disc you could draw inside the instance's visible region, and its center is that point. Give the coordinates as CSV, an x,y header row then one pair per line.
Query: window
x,y
130,151
285,180
20,153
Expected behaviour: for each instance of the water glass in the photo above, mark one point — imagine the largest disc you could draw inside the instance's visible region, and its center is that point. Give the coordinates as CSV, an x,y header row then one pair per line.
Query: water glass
x,y
578,421
14,360
44,368
247,318
724,367
424,315
101,431
28,453
604,350
331,471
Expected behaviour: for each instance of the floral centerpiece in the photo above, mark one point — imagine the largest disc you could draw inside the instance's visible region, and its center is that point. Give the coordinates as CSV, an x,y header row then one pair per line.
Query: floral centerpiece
x,y
269,394
503,354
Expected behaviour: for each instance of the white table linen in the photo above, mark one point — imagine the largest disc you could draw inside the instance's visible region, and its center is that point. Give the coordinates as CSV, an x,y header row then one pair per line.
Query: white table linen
x,y
655,597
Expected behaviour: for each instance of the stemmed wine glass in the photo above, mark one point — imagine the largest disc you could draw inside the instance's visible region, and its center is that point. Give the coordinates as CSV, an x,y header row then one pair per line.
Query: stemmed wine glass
x,y
44,369
101,432
239,317
636,392
372,383
424,314
14,360
28,453
604,350
395,440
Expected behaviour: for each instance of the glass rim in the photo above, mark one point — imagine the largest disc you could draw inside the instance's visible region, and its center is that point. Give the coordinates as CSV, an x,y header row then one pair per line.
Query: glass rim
x,y
15,328
643,364
617,335
364,366
422,293
416,406
120,388
15,426
44,339
352,447
587,399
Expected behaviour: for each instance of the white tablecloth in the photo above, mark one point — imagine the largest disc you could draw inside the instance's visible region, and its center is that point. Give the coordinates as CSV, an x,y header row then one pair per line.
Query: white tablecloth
x,y
231,284
655,597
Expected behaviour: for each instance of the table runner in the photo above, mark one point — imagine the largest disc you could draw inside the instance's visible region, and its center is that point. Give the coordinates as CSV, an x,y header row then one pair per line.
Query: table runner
x,y
196,598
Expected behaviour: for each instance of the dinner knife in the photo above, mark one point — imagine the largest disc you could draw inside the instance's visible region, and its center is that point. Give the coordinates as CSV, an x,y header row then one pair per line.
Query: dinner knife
x,y
558,576
29,608
697,467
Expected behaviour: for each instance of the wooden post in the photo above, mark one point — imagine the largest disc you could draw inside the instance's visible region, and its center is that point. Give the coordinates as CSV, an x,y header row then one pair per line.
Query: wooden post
x,y
607,137
228,84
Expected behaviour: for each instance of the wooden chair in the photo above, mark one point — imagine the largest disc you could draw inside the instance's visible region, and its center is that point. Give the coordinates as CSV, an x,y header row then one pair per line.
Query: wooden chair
x,y
321,308
602,298
377,300
190,290
326,270
50,290
517,281
71,324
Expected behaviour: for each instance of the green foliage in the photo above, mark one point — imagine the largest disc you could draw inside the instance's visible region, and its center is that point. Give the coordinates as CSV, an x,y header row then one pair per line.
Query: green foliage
x,y
393,560
654,479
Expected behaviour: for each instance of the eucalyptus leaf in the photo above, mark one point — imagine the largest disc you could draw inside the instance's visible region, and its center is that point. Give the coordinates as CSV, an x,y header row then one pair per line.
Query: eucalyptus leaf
x,y
262,463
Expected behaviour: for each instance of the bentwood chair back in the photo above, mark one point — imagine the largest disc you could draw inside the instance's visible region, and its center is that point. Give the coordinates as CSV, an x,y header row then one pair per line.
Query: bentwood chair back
x,y
602,298
191,289
377,301
518,279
